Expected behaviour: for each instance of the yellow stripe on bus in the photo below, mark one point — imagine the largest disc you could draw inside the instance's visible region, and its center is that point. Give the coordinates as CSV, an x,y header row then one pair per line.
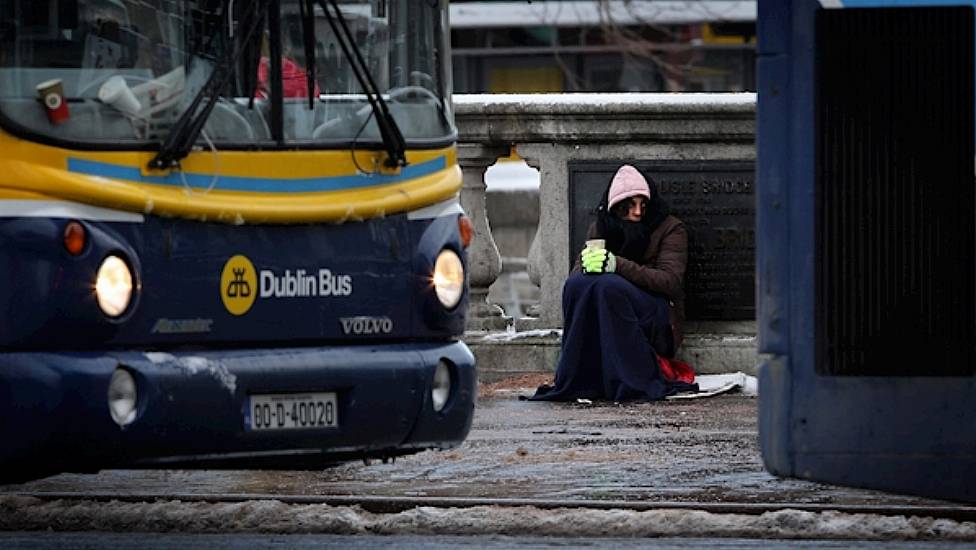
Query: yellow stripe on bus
x,y
30,170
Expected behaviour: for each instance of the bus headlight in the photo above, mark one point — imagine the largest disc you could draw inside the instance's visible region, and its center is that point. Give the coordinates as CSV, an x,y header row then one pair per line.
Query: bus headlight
x,y
122,397
441,389
113,286
448,278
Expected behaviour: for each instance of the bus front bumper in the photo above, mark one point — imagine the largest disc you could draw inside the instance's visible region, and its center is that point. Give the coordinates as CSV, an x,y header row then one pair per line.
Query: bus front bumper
x,y
258,408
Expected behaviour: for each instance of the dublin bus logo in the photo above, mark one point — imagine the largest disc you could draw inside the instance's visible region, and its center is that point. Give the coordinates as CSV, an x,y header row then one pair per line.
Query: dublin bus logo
x,y
237,283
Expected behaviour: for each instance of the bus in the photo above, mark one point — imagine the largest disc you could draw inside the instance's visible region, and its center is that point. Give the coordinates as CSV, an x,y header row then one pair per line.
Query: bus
x,y
230,235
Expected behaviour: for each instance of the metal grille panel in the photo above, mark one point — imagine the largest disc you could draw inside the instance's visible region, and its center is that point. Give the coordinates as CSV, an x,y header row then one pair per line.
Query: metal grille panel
x,y
895,192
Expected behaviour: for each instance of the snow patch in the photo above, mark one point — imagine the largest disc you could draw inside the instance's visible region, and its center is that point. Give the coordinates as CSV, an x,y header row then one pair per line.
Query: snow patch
x,y
194,364
158,357
23,513
605,100
511,334
585,13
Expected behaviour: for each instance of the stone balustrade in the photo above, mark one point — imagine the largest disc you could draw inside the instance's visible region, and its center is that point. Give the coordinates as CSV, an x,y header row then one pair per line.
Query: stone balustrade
x,y
555,133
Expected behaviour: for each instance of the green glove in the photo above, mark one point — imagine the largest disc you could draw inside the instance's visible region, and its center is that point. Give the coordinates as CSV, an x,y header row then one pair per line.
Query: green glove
x,y
596,260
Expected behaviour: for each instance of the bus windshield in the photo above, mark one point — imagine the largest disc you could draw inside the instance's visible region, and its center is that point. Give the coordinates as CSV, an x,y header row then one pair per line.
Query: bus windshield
x,y
111,74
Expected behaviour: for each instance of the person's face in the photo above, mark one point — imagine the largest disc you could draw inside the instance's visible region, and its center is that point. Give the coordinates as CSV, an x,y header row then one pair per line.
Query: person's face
x,y
632,209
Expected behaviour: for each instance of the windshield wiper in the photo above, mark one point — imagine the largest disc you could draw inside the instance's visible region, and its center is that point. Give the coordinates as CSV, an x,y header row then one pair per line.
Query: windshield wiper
x,y
307,8
389,131
181,137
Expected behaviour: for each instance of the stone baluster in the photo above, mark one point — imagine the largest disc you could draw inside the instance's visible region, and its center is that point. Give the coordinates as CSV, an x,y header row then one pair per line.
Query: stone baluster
x,y
548,260
484,261
533,263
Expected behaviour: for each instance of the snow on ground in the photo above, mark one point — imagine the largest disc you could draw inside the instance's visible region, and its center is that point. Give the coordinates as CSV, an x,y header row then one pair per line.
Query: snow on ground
x,y
511,334
271,516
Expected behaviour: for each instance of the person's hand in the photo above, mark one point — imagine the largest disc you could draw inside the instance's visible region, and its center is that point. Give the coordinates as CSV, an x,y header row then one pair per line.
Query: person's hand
x,y
598,260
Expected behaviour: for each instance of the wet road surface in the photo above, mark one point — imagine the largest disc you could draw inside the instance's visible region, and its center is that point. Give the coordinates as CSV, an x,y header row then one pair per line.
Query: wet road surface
x,y
700,451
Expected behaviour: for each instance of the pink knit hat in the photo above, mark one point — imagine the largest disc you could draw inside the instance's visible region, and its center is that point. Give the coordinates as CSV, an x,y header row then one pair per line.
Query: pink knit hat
x,y
627,182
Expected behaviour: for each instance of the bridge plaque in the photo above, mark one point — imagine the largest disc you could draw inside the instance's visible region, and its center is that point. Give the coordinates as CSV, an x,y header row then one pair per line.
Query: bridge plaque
x,y
716,201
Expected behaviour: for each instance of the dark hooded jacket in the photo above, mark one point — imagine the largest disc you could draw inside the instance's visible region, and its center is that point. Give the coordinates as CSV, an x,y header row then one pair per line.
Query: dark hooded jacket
x,y
660,268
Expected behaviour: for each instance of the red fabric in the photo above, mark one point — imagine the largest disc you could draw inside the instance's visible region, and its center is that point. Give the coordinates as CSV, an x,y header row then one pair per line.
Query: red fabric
x,y
294,82
675,369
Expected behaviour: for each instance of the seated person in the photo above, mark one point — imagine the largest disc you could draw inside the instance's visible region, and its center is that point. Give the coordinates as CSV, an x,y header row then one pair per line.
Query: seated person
x,y
623,305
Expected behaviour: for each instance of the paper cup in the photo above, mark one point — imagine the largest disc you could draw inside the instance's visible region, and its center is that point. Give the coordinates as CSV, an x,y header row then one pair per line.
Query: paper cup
x,y
596,244
116,92
52,97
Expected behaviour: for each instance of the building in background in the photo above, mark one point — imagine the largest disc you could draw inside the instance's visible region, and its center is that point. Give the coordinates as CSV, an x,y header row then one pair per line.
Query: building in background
x,y
603,46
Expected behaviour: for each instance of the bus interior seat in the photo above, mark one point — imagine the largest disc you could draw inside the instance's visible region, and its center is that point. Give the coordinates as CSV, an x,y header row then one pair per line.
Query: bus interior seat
x,y
226,123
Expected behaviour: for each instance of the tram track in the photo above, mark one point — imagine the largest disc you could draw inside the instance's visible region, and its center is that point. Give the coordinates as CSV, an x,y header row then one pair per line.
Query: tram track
x,y
397,504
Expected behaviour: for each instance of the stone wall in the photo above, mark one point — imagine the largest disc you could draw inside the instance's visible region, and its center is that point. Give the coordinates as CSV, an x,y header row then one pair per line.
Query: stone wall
x,y
556,134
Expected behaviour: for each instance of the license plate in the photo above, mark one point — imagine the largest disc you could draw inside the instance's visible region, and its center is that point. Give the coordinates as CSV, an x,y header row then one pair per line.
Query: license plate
x,y
287,411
